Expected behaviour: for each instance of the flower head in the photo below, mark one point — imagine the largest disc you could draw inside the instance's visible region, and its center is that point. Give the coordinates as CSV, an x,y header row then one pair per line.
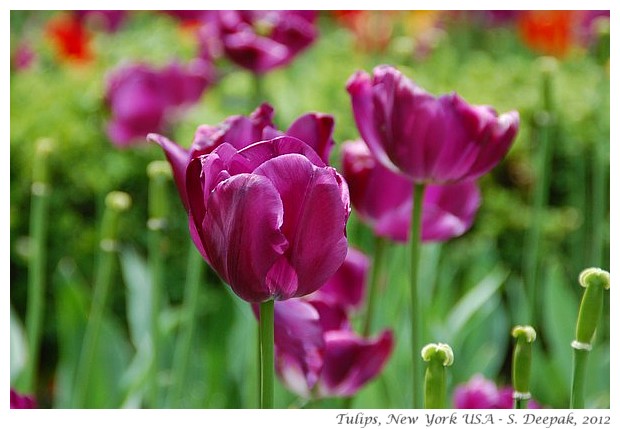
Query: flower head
x,y
384,199
261,40
481,393
435,140
265,210
143,99
70,38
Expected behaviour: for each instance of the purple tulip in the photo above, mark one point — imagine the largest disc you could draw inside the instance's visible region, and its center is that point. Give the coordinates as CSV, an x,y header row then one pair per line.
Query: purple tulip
x,y
269,218
315,129
480,393
317,352
261,40
107,20
23,402
384,199
143,99
23,57
431,140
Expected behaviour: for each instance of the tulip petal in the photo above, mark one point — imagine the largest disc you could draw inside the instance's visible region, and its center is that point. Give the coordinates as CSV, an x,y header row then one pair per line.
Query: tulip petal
x,y
346,288
315,129
178,158
242,237
314,221
352,361
299,343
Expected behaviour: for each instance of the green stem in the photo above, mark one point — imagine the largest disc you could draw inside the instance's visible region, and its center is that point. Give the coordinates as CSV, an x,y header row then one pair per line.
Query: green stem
x,y
521,404
347,403
183,347
36,264
435,385
115,203
267,357
598,206
580,360
373,286
416,315
159,173
259,364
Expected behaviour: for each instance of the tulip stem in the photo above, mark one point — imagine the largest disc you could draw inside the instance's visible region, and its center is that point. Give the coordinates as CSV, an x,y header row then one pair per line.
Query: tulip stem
x,y
159,172
259,89
521,404
373,287
416,315
115,203
267,358
580,360
36,263
183,348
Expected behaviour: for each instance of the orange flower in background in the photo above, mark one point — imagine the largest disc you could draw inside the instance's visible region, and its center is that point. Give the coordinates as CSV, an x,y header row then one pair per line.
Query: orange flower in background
x,y
548,31
70,38
372,28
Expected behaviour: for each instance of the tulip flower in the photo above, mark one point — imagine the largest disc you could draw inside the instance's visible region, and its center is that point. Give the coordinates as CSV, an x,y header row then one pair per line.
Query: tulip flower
x,y
318,354
262,40
384,199
143,99
315,129
480,393
430,140
22,401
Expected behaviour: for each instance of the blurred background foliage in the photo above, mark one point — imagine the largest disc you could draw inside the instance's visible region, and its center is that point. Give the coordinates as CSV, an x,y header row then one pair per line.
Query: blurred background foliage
x,y
473,285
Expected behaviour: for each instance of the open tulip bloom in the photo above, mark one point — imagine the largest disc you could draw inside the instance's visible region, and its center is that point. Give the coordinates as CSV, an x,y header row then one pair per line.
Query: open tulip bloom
x,y
384,199
318,353
431,141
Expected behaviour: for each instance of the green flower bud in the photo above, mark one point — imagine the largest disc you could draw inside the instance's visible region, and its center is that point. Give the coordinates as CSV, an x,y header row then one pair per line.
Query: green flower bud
x,y
118,201
522,360
158,168
595,281
439,356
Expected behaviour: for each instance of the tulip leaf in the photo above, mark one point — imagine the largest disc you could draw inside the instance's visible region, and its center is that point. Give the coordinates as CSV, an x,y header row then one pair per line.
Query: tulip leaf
x,y
473,300
111,356
19,346
139,295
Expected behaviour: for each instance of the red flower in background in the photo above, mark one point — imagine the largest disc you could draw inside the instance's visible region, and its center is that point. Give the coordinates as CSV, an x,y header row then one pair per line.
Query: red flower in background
x,y
70,38
549,32
372,29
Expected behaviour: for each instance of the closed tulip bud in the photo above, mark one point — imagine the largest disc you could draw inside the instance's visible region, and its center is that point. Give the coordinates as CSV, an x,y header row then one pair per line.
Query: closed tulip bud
x,y
438,356
522,364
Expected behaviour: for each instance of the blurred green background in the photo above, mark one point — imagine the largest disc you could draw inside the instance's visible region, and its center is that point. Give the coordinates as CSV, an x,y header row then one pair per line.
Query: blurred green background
x,y
473,285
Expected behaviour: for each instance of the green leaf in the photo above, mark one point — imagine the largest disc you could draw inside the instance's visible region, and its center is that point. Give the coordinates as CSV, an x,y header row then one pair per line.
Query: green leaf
x,y
137,277
18,348
467,306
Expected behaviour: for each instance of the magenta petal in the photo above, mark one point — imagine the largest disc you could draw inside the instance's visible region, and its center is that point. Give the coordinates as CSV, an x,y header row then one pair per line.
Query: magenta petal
x,y
352,361
242,235
178,158
477,393
449,210
347,287
333,317
22,402
299,344
315,129
314,222
251,157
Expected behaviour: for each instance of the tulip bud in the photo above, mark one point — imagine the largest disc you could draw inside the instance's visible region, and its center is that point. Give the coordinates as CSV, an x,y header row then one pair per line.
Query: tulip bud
x,y
522,363
438,356
116,202
159,173
595,281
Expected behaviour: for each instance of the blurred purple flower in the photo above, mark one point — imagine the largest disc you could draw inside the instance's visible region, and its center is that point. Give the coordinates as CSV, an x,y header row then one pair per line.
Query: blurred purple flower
x,y
384,199
23,57
261,40
24,402
317,352
107,20
430,140
143,99
480,393
314,129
